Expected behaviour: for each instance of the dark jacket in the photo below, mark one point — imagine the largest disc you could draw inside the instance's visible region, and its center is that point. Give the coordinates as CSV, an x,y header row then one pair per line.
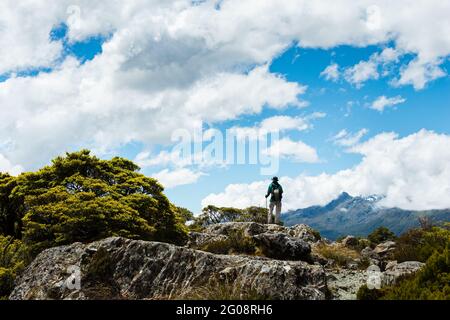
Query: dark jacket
x,y
273,186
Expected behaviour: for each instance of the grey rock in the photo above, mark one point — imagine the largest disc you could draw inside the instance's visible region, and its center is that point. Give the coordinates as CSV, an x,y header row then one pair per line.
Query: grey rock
x,y
198,240
118,268
396,271
344,284
280,246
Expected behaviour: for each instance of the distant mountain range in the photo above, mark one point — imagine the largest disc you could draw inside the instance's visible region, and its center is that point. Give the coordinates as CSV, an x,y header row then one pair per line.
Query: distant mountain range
x,y
359,216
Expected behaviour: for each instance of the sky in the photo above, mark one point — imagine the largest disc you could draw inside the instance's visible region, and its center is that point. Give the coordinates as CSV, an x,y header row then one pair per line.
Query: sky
x,y
356,93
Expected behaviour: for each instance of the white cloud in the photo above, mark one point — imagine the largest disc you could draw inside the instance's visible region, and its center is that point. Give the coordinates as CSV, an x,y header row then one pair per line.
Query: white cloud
x,y
346,139
7,167
382,102
361,72
331,72
171,64
171,179
296,151
412,172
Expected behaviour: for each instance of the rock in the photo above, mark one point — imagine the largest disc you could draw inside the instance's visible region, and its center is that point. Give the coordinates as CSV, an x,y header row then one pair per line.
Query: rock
x,y
304,232
300,231
198,240
385,250
396,271
390,265
118,268
280,246
245,228
350,242
344,284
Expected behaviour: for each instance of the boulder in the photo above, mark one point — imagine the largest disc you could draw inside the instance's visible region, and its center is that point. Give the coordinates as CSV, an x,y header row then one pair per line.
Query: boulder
x,y
280,246
395,271
350,242
199,240
304,232
344,284
385,250
119,268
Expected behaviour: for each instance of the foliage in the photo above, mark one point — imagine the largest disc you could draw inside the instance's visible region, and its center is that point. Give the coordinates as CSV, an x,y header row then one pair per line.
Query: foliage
x,y
185,214
432,282
10,219
380,235
212,215
82,198
420,244
13,258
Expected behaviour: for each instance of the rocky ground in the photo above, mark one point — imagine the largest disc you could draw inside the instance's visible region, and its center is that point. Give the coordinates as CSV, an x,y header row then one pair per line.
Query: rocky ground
x,y
245,261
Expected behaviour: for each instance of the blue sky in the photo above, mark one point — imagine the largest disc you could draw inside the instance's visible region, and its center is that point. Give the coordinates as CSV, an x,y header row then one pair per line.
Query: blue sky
x,y
427,109
371,87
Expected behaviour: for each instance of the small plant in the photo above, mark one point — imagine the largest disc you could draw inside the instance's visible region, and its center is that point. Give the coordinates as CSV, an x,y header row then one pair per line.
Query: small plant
x,y
224,290
341,255
381,234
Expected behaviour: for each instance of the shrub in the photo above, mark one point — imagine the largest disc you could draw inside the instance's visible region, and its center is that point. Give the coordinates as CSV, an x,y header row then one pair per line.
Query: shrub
x,y
82,198
380,235
430,283
341,255
6,282
13,258
420,244
212,215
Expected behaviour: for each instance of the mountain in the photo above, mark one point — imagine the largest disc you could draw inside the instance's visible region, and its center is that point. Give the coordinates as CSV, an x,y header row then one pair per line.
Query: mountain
x,y
359,216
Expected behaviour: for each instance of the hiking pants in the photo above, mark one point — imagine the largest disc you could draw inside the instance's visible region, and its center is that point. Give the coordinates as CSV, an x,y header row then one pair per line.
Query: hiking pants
x,y
272,205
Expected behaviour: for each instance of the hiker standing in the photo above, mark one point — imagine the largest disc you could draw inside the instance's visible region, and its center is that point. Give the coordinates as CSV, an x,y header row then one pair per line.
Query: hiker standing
x,y
276,192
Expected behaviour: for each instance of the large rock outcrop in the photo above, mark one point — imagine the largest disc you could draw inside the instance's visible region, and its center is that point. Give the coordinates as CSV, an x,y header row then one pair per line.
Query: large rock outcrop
x,y
274,241
118,268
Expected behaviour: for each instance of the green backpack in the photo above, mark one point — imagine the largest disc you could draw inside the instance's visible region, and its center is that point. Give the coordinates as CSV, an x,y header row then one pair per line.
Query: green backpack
x,y
276,193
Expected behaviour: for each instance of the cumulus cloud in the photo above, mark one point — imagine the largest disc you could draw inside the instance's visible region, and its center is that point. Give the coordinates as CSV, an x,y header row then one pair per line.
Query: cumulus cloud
x,y
331,72
413,172
361,72
296,151
171,179
172,64
7,167
346,139
382,102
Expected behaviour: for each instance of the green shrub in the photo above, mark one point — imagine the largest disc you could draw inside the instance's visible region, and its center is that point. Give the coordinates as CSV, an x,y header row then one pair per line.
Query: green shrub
x,y
6,282
82,198
14,257
364,293
430,283
380,235
420,244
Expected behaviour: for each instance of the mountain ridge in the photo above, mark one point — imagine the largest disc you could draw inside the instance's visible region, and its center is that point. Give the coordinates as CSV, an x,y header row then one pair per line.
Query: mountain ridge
x,y
358,215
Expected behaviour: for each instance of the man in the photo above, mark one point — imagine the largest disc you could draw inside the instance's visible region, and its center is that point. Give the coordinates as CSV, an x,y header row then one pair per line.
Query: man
x,y
276,191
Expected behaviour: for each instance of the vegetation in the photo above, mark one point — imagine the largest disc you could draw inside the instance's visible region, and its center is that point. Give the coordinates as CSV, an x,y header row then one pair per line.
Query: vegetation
x,y
80,198
224,290
341,255
430,245
211,215
236,243
380,235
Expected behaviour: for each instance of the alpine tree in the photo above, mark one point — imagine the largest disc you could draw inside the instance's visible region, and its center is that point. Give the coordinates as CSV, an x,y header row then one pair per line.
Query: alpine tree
x,y
82,198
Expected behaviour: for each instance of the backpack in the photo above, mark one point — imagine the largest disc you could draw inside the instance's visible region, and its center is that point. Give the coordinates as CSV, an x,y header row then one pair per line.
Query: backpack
x,y
276,193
